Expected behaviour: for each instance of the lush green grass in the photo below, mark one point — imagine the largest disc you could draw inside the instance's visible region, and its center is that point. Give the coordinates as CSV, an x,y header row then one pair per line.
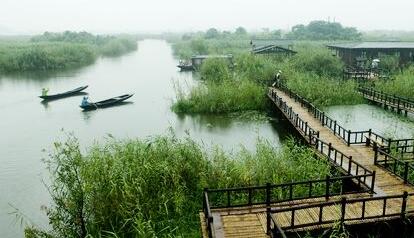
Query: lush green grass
x,y
215,70
184,49
153,187
44,56
52,51
323,91
224,97
318,60
313,73
401,85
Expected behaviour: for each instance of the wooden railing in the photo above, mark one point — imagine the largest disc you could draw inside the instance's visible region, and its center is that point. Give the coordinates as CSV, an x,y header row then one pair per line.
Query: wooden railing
x,y
277,193
208,215
336,157
355,208
356,74
400,103
348,136
398,166
345,162
402,146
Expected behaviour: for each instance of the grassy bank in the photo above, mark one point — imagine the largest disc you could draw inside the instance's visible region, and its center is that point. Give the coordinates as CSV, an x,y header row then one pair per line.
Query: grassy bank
x,y
153,187
53,51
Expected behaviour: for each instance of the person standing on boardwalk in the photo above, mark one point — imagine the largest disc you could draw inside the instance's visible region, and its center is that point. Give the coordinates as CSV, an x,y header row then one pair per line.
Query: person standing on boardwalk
x,y
278,76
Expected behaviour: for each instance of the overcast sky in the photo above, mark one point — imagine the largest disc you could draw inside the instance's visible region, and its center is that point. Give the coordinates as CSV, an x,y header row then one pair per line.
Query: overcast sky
x,y
115,16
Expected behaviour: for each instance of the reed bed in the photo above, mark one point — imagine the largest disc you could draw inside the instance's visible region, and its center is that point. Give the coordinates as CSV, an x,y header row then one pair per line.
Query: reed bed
x,y
153,187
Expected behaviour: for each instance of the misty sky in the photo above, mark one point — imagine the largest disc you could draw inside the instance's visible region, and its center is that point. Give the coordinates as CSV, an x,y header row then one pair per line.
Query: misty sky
x,y
115,16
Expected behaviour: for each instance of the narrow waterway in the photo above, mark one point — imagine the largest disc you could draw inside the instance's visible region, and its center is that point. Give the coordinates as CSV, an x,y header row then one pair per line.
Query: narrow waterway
x,y
29,126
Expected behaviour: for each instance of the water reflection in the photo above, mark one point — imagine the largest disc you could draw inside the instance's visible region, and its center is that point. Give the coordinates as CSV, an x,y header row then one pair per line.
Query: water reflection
x,y
42,76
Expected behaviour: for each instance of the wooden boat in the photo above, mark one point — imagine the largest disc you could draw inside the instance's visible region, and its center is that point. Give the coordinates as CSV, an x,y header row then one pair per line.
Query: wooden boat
x,y
185,67
106,103
65,94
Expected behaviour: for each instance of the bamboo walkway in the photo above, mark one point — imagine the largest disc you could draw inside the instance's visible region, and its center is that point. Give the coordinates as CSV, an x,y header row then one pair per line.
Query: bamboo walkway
x,y
386,202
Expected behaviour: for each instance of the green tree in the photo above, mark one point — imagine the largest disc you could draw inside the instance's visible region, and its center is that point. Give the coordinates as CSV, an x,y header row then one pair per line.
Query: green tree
x,y
323,30
240,31
212,33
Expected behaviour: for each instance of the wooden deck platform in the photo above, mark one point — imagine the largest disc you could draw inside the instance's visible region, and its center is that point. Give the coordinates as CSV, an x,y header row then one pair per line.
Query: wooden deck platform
x,y
385,203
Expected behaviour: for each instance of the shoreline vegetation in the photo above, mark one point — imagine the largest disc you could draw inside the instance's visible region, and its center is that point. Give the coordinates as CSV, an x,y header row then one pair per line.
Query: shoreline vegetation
x,y
55,51
313,72
152,187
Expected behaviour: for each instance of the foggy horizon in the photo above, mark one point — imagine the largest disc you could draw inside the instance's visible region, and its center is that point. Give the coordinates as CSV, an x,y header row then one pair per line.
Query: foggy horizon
x,y
157,16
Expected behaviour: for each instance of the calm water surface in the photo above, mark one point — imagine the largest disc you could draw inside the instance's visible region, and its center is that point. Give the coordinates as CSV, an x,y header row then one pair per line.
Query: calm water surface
x,y
363,117
28,126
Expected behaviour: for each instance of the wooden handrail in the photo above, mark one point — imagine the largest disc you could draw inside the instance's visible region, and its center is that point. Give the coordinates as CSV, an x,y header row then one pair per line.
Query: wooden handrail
x,y
343,204
208,215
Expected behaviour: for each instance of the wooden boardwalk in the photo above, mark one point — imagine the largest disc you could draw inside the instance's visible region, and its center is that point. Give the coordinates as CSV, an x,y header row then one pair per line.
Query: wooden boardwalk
x,y
399,104
386,183
386,202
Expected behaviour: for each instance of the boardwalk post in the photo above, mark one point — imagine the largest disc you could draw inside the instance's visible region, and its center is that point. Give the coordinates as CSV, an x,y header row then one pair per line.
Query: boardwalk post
x,y
335,127
373,181
268,208
404,204
343,209
306,127
329,149
323,118
349,138
328,178
406,172
368,141
268,194
349,165
398,106
375,153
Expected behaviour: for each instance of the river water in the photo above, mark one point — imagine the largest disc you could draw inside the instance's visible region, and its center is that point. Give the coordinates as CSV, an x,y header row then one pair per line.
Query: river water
x,y
28,126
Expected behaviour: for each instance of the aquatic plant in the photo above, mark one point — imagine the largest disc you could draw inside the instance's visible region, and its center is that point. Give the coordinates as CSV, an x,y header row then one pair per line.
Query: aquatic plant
x,y
223,97
52,51
215,70
323,91
317,60
44,56
153,187
401,85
